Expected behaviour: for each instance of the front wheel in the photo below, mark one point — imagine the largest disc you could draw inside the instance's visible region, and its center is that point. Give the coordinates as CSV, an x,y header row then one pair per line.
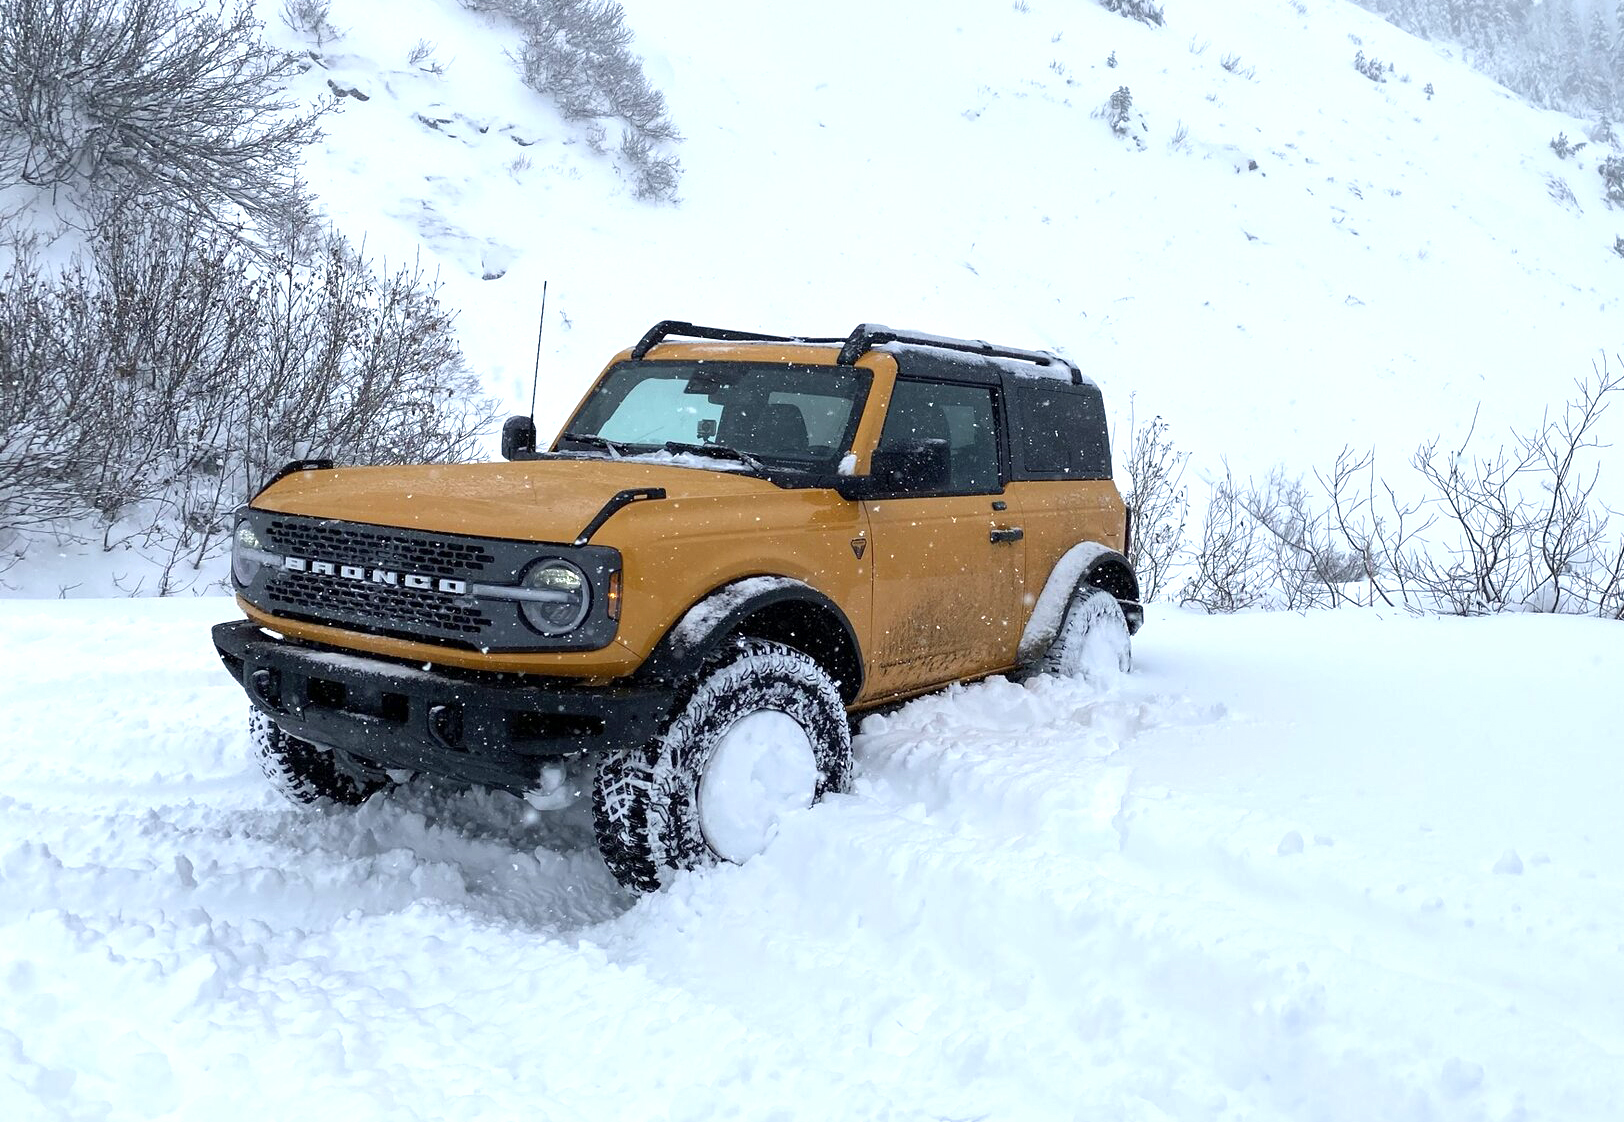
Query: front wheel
x,y
305,772
762,734
1092,641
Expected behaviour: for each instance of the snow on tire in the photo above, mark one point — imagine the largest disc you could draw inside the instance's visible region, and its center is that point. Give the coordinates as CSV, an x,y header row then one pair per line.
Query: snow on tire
x,y
763,732
1092,641
302,771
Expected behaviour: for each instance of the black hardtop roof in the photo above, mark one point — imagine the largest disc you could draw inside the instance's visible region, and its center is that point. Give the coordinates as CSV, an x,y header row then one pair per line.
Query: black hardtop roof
x,y
916,352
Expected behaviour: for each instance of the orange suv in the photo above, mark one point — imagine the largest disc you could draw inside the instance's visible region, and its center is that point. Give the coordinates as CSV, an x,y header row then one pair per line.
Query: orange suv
x,y
737,543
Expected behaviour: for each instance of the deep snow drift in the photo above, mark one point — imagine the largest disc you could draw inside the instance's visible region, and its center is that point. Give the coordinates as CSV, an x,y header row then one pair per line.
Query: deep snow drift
x,y
1345,866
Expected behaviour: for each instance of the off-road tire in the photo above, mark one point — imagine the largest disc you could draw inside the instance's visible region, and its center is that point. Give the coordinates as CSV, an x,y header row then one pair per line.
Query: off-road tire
x,y
645,801
302,771
1092,641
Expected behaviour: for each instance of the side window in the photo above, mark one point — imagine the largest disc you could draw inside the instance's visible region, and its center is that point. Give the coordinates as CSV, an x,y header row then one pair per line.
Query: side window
x,y
1062,434
960,421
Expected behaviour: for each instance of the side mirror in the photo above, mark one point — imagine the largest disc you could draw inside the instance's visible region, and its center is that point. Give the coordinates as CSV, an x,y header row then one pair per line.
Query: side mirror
x,y
917,467
920,466
518,438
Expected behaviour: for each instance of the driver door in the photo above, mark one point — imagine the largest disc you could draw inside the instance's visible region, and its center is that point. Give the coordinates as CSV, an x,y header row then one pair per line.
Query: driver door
x,y
948,554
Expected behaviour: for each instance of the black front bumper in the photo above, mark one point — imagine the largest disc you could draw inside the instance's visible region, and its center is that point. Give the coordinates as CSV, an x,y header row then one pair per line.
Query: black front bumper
x,y
496,730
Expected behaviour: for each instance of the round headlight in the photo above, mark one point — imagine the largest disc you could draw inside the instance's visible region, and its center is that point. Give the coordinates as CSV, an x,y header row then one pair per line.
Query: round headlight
x,y
246,551
558,597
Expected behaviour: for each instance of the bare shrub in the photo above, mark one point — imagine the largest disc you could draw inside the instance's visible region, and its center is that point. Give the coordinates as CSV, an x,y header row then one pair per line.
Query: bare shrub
x,y
578,52
1558,189
312,18
653,175
1305,563
1158,504
153,105
1372,68
1612,178
173,372
1563,147
1228,559
422,56
1116,111
1142,10
1526,530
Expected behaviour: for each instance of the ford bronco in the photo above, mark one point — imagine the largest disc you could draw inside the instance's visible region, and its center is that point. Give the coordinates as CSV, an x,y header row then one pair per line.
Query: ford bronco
x,y
737,543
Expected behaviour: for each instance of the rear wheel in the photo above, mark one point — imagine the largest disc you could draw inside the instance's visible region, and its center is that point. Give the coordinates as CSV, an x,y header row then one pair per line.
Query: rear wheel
x,y
1092,641
762,734
305,772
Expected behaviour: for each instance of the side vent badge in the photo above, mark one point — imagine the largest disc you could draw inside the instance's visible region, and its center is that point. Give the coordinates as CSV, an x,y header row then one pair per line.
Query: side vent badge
x,y
858,545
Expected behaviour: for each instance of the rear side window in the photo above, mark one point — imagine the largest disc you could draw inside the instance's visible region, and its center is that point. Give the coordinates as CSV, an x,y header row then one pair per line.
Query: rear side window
x,y
1062,432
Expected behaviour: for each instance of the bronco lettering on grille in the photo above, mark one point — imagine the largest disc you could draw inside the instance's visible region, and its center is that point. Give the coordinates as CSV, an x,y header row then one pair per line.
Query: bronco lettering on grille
x,y
391,577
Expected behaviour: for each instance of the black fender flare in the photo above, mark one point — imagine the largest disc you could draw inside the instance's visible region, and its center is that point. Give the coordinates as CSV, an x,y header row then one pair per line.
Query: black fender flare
x,y
780,609
1086,563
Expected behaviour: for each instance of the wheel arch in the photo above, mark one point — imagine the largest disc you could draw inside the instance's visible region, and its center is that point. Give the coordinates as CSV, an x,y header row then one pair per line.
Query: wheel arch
x,y
1086,563
779,609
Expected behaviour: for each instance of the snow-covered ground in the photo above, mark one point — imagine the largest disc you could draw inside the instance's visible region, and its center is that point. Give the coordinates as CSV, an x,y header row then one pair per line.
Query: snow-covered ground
x,y
1352,865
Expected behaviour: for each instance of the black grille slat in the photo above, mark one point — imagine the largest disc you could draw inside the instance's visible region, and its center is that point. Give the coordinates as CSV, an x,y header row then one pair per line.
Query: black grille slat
x,y
379,605
351,544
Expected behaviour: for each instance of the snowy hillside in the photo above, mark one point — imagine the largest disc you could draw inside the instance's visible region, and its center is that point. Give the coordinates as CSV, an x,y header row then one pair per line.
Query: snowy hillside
x,y
1393,260
1381,882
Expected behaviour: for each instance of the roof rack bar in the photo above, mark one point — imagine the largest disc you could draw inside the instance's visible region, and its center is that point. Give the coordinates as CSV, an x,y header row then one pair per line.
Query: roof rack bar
x,y
669,327
866,336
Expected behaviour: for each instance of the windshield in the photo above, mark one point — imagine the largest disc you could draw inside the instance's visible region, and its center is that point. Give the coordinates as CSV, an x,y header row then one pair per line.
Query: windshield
x,y
798,417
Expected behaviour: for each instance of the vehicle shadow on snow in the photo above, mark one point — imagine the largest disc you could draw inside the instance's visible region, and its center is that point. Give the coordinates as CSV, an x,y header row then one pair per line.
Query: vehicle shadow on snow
x,y
484,852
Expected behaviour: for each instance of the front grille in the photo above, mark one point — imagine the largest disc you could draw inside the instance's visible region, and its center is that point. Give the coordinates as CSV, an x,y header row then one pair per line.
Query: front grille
x,y
379,606
386,609
345,543
360,577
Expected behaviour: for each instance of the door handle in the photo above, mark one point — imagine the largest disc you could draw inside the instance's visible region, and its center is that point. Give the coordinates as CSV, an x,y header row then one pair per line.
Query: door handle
x,y
1006,534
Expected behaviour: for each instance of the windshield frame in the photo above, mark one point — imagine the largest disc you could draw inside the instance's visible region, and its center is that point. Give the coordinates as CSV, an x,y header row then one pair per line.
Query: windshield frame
x,y
768,463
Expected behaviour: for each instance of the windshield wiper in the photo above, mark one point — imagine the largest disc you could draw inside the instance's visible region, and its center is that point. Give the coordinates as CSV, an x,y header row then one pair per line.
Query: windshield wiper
x,y
720,451
592,440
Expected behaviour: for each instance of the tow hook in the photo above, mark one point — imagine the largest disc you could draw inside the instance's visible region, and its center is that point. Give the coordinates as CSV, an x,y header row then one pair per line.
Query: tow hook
x,y
445,725
267,687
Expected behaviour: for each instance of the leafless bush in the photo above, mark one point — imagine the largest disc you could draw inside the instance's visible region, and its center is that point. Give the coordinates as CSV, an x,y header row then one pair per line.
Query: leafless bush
x,y
1142,10
149,104
1558,189
1526,529
1372,68
1232,63
1563,147
172,373
1612,178
1307,565
578,52
654,176
1518,529
1158,504
422,56
1228,560
312,18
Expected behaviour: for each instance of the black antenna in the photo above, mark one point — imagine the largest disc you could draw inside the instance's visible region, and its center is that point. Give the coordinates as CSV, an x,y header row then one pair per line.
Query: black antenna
x,y
535,380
